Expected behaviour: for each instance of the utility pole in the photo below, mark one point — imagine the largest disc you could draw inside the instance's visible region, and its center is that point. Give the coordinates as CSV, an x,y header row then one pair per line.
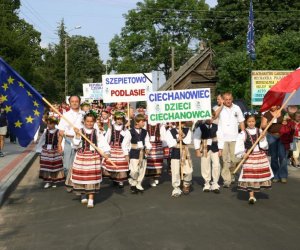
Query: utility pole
x,y
66,65
66,59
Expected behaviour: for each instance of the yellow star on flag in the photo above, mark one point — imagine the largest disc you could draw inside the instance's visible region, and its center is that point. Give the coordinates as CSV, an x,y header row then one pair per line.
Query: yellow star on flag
x,y
18,124
3,98
36,112
7,109
21,84
29,119
5,86
35,103
29,94
10,80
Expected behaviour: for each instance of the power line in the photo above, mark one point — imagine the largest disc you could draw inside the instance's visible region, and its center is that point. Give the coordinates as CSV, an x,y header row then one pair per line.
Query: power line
x,y
37,15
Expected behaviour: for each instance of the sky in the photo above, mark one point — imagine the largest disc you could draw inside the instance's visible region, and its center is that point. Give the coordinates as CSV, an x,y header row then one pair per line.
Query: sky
x,y
101,19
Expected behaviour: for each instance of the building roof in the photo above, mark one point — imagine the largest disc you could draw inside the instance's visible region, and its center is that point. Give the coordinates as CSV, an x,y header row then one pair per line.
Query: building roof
x,y
187,68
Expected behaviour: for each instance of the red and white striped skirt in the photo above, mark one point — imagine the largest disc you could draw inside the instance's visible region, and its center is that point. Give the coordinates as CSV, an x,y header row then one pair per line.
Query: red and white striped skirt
x,y
155,158
51,166
51,161
86,168
256,168
118,157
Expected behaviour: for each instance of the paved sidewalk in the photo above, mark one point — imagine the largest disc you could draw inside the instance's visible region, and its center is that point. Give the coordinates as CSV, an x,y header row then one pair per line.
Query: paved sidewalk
x,y
13,166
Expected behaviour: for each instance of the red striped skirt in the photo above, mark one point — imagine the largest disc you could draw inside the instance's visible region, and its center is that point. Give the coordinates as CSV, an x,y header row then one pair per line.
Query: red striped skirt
x,y
51,161
86,168
256,168
155,158
118,157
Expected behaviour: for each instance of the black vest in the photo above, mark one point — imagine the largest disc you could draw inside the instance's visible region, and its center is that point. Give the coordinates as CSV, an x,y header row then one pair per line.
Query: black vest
x,y
209,133
154,131
135,137
116,136
92,137
175,152
250,139
51,139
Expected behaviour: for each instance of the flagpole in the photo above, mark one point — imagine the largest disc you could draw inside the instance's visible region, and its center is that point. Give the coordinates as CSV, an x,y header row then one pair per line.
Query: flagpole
x,y
264,132
82,135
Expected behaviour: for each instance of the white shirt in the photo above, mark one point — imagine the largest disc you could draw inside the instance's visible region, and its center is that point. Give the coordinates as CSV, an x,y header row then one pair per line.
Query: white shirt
x,y
42,141
126,144
240,142
228,127
173,142
75,118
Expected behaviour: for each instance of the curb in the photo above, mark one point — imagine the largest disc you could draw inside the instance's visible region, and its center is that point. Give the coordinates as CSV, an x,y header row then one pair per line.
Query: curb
x,y
16,171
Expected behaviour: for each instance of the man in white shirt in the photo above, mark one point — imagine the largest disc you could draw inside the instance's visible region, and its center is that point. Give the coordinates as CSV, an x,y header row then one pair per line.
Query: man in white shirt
x,y
230,118
75,116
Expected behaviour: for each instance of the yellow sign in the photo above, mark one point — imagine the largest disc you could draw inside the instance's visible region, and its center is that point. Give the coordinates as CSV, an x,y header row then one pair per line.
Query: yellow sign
x,y
262,81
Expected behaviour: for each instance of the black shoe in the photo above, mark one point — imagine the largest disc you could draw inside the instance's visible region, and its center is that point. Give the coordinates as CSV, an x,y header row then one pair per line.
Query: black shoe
x,y
216,191
133,190
120,184
1,154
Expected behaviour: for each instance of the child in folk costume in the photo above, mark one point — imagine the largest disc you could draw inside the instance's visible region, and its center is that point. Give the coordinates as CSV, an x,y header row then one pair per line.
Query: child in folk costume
x,y
114,136
296,140
155,158
136,146
51,165
256,173
180,161
85,175
206,146
166,149
104,121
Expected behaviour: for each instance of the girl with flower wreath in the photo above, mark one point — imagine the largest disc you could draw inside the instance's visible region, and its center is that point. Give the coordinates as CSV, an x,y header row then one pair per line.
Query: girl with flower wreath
x,y
114,136
85,175
256,173
51,165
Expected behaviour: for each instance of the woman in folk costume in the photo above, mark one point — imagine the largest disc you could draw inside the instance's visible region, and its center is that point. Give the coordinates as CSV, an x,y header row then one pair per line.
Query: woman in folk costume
x,y
51,165
155,158
85,175
256,172
114,136
180,161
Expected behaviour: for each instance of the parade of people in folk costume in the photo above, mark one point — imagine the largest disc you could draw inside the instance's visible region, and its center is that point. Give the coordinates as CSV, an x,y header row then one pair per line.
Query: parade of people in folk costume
x,y
142,146
136,152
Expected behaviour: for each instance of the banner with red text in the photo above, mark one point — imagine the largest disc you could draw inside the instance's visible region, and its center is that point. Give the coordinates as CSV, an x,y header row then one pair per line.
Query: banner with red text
x,y
126,87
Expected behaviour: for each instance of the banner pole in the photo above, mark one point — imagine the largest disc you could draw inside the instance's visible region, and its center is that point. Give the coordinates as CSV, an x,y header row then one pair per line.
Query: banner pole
x,y
180,147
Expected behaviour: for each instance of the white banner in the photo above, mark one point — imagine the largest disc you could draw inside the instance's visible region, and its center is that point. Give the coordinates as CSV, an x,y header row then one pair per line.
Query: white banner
x,y
93,90
126,88
179,105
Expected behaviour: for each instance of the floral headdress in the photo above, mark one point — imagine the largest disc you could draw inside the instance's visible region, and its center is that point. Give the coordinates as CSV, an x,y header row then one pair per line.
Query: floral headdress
x,y
91,113
52,119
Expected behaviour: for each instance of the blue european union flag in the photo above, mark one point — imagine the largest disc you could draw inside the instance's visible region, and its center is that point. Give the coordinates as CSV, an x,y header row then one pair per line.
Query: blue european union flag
x,y
22,103
250,34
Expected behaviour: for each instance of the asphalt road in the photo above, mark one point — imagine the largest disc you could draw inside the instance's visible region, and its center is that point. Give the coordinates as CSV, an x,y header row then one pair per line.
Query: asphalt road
x,y
34,218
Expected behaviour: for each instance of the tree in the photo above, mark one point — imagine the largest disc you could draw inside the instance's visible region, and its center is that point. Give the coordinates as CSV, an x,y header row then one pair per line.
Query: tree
x,y
276,25
151,30
84,61
19,41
